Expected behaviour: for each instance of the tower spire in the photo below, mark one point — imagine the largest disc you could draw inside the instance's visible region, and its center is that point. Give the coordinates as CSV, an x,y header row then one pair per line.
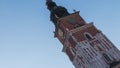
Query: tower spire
x,y
56,11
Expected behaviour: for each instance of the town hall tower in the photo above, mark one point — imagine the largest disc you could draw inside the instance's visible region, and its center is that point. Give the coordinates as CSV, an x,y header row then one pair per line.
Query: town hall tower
x,y
85,45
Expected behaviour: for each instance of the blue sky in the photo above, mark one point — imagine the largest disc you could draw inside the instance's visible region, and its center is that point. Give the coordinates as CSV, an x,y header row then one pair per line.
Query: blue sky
x,y
26,33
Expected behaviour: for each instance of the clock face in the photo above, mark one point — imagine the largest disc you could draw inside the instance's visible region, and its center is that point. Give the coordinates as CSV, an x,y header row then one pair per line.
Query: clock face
x,y
72,20
60,32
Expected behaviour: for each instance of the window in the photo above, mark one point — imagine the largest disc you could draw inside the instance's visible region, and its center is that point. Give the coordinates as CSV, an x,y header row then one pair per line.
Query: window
x,y
72,20
88,36
107,58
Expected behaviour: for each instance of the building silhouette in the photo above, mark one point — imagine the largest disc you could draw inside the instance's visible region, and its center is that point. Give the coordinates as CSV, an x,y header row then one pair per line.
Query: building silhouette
x,y
85,45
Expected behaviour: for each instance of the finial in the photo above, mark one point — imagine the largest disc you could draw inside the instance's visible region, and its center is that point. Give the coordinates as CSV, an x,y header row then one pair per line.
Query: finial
x,y
47,1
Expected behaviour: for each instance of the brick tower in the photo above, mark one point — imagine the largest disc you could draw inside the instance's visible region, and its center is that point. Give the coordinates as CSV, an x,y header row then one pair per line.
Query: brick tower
x,y
85,45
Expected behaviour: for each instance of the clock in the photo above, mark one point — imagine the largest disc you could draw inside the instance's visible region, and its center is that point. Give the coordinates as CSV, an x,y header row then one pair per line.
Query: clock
x,y
72,20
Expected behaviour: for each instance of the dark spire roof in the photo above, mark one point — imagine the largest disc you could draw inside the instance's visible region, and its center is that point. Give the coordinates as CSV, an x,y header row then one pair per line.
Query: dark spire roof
x,y
56,12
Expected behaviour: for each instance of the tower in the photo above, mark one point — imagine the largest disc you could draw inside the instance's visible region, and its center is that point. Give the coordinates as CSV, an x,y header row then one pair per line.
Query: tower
x,y
85,45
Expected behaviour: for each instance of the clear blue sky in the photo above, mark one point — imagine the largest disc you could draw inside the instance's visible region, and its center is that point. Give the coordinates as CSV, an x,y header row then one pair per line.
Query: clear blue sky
x,y
26,33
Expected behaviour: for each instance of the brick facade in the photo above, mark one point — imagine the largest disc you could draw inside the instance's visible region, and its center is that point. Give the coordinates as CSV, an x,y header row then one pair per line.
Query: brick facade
x,y
85,45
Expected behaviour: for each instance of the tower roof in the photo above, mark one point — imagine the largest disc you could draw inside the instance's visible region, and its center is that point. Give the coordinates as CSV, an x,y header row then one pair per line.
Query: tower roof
x,y
56,12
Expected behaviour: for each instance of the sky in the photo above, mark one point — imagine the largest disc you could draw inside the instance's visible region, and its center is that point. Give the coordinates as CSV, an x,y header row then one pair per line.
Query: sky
x,y
26,32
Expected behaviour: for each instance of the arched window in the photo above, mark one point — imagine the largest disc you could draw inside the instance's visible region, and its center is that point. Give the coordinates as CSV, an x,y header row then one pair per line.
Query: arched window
x,y
88,35
107,58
